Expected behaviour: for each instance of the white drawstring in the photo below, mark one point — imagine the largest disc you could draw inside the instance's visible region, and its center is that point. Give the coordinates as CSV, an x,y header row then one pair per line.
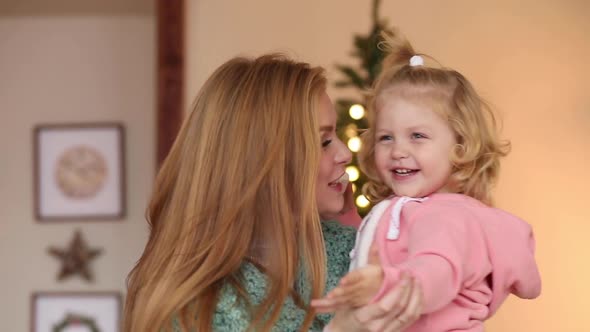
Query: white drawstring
x,y
359,255
393,232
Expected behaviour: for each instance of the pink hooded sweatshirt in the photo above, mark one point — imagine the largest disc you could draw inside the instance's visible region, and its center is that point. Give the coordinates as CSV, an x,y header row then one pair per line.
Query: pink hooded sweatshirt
x,y
467,256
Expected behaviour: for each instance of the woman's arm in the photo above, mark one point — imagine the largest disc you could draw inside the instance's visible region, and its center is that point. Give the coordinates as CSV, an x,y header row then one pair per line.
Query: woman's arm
x,y
232,313
233,316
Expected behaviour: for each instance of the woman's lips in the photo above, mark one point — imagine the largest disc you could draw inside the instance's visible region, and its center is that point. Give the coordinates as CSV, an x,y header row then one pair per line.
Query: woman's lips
x,y
340,183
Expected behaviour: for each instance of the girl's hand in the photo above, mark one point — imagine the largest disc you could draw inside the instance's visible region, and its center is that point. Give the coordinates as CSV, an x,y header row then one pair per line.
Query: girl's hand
x,y
355,289
397,310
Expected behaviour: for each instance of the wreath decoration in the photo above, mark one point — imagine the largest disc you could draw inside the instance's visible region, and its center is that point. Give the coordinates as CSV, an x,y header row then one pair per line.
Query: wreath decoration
x,y
75,320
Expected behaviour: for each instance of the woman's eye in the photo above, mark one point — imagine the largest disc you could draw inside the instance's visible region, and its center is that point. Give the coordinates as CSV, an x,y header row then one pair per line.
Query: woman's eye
x,y
325,143
418,136
384,138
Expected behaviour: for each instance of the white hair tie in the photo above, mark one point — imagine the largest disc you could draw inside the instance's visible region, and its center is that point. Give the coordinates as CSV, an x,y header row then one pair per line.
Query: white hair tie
x,y
416,60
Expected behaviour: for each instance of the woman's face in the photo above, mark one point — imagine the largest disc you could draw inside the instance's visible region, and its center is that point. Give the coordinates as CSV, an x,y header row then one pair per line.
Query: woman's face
x,y
332,179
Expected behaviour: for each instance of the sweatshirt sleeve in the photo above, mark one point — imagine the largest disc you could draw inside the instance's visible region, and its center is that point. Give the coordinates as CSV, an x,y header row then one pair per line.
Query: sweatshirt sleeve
x,y
441,243
513,257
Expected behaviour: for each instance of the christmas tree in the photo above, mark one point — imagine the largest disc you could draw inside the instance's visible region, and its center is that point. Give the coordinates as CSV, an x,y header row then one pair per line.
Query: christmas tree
x,y
351,111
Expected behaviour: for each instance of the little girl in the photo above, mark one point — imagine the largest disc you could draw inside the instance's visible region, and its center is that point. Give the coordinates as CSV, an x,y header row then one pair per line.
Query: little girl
x,y
432,155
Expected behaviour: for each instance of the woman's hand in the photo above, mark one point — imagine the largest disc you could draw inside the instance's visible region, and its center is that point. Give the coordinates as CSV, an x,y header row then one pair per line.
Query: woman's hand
x,y
397,310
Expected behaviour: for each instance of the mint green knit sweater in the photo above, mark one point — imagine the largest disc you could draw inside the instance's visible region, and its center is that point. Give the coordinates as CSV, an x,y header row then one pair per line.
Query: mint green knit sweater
x,y
231,314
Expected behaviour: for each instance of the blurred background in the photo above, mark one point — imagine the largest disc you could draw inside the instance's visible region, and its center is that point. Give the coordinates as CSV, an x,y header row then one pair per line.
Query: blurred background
x,y
140,64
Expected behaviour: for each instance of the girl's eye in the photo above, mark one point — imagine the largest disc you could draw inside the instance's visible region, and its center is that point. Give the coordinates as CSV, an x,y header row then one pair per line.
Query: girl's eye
x,y
418,136
325,143
384,138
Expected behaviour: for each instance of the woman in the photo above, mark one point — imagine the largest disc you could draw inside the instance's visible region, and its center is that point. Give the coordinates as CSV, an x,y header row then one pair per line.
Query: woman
x,y
236,241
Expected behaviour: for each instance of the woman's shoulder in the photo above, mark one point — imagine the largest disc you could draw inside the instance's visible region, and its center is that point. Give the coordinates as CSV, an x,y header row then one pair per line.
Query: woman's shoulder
x,y
339,241
335,231
232,311
254,283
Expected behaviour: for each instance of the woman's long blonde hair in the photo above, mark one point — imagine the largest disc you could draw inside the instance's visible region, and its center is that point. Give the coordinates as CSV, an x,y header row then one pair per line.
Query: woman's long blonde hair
x,y
241,173
476,157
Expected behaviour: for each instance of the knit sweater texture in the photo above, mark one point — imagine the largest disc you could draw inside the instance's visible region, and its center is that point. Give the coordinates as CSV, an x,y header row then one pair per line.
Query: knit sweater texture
x,y
233,315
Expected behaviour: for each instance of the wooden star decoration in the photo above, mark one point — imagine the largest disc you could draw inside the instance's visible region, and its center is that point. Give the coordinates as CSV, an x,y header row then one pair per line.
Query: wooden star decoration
x,y
75,258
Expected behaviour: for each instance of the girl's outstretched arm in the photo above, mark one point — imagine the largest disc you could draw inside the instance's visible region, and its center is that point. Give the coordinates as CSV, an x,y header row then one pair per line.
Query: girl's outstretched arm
x,y
354,290
395,311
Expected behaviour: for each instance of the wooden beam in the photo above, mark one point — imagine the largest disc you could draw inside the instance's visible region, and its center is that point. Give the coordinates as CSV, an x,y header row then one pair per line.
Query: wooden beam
x,y
170,26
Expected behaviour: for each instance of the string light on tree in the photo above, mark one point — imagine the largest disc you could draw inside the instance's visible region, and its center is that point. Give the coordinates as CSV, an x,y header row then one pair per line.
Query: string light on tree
x,y
353,173
362,201
357,111
357,80
351,130
354,144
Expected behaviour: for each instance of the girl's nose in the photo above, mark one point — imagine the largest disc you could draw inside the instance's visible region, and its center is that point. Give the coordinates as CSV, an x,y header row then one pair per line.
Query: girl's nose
x,y
398,151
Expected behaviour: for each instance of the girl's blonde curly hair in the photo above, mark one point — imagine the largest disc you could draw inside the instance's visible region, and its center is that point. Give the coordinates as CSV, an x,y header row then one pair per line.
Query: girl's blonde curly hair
x,y
476,156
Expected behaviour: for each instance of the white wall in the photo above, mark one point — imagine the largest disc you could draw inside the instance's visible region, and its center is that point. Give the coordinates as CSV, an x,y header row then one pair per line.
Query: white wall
x,y
530,58
71,62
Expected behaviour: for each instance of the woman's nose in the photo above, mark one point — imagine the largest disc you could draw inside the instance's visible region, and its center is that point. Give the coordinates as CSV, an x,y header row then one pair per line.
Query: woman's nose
x,y
343,156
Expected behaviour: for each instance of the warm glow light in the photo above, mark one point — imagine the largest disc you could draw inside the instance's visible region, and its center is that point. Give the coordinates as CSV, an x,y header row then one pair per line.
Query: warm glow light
x,y
354,144
351,130
353,188
353,173
356,111
362,201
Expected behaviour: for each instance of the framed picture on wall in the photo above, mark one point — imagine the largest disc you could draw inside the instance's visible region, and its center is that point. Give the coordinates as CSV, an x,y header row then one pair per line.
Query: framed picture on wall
x,y
76,311
79,171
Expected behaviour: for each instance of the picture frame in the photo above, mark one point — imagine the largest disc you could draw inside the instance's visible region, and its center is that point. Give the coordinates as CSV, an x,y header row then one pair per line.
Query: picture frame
x,y
79,311
79,171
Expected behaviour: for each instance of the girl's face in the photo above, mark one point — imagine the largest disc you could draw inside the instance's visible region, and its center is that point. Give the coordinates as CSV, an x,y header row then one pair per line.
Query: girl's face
x,y
332,179
413,146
